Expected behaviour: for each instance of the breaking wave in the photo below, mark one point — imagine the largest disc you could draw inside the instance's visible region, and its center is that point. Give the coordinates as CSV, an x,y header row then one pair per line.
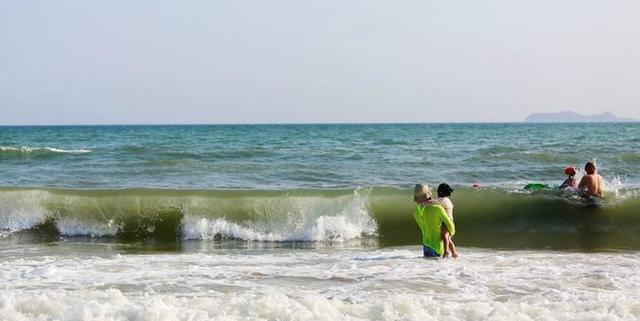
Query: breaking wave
x,y
133,214
489,217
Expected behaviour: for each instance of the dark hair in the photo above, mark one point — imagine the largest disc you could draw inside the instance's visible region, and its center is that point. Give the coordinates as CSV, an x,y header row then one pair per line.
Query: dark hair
x,y
589,164
444,190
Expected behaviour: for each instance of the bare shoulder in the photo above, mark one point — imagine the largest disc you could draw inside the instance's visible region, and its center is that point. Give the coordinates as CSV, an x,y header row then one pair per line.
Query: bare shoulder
x,y
586,179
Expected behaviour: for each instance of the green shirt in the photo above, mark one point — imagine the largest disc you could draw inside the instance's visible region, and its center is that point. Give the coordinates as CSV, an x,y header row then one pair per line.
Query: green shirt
x,y
430,219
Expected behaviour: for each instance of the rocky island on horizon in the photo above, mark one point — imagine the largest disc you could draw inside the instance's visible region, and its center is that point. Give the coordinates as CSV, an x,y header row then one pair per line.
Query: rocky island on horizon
x,y
573,117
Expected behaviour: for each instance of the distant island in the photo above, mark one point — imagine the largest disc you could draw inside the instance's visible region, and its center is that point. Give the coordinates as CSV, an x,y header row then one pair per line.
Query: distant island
x,y
573,117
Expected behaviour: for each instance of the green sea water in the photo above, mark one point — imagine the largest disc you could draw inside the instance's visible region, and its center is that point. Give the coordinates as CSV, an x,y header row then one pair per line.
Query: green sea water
x,y
314,222
316,183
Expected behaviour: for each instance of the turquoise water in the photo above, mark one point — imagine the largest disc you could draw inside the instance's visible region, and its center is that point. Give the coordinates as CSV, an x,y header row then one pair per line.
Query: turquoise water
x,y
313,222
316,183
312,156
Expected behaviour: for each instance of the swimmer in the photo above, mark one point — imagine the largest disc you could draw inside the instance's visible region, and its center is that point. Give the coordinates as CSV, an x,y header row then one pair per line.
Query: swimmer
x,y
430,218
570,181
591,184
444,191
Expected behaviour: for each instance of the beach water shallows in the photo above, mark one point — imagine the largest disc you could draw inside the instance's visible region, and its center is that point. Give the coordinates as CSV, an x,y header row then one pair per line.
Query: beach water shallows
x,y
102,281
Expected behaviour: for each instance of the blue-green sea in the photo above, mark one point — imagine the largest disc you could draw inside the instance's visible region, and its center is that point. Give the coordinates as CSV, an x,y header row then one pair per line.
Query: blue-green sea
x,y
281,182
314,222
312,156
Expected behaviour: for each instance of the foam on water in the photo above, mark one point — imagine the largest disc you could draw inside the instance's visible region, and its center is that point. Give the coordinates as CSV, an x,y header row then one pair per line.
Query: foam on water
x,y
291,219
325,229
20,210
74,227
391,284
28,149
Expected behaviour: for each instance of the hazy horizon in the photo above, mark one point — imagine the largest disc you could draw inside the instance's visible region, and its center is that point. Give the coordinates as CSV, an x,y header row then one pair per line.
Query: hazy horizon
x,y
286,62
331,123
310,123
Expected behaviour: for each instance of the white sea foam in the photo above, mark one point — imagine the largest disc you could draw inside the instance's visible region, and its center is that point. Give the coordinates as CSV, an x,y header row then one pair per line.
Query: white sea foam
x,y
24,209
28,149
325,228
20,210
392,284
74,227
290,219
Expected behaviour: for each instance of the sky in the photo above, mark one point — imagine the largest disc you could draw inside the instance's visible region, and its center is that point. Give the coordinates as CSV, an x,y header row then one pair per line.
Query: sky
x,y
293,61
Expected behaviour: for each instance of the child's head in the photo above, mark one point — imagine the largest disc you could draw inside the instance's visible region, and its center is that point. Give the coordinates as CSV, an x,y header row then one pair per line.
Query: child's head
x,y
444,190
421,193
570,170
590,168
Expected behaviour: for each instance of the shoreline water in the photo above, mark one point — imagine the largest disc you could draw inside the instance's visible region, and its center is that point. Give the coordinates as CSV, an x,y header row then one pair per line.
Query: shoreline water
x,y
299,284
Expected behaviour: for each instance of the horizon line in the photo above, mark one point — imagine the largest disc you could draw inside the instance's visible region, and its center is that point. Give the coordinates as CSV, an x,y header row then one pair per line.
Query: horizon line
x,y
319,123
256,123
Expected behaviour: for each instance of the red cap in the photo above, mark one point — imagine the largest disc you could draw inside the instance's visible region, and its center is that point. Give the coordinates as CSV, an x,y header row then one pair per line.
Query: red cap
x,y
570,170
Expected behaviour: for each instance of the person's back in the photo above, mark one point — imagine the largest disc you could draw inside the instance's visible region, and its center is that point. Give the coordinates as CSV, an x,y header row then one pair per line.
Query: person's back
x,y
591,183
430,218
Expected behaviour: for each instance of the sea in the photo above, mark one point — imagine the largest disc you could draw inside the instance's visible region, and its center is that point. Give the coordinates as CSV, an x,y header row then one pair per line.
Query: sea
x,y
314,222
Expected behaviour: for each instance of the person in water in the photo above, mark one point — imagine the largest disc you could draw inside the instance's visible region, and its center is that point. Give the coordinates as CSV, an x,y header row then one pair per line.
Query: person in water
x,y
570,181
444,191
430,218
591,184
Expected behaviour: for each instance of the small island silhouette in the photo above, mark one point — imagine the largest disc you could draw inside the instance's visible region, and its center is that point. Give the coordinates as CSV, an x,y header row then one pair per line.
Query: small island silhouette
x,y
573,117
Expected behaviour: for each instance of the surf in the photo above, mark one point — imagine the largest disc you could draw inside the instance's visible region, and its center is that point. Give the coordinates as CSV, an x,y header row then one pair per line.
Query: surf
x,y
487,217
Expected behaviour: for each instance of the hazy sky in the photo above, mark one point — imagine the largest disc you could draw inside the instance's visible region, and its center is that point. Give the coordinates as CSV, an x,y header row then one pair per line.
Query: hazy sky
x,y
79,62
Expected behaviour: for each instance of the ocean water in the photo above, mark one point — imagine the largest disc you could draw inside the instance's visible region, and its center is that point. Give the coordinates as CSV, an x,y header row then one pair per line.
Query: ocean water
x,y
313,222
312,156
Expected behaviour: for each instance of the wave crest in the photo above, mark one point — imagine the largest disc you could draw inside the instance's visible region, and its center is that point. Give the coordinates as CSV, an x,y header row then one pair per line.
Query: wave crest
x,y
486,217
202,215
36,150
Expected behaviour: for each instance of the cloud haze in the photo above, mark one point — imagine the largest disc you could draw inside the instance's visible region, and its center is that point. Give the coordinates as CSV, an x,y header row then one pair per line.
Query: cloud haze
x,y
77,62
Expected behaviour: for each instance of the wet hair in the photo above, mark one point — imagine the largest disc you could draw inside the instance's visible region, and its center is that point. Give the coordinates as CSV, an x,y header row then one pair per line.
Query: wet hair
x,y
444,190
589,165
